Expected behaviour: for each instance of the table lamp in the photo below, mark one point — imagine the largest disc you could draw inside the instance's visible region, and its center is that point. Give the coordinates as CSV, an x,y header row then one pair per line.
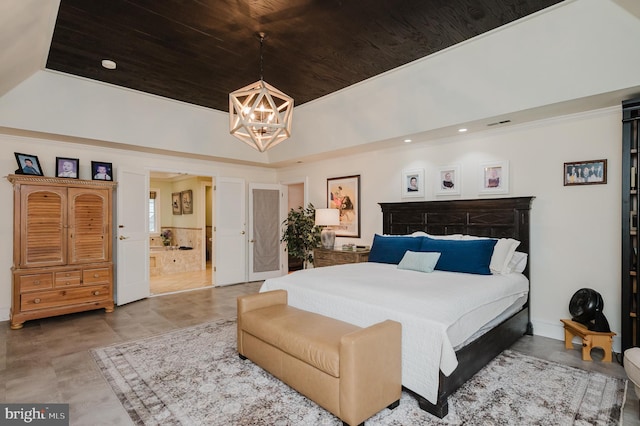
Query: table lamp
x,y
326,218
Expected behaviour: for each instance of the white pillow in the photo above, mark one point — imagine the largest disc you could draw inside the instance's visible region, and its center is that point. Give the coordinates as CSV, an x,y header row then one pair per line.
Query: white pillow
x,y
517,263
437,237
474,237
502,254
419,261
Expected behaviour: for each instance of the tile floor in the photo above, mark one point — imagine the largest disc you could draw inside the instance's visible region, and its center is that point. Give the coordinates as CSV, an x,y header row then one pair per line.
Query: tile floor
x,y
171,283
48,360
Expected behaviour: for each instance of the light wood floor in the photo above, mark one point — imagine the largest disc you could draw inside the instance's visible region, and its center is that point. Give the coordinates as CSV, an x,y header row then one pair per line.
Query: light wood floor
x,y
181,281
48,360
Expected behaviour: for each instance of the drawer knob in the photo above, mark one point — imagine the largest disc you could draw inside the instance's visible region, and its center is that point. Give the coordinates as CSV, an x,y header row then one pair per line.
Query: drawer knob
x,y
67,274
96,275
67,283
96,293
36,300
37,282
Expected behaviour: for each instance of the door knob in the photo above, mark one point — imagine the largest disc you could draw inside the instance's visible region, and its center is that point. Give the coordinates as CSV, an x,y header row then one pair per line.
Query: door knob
x,y
242,233
252,241
122,237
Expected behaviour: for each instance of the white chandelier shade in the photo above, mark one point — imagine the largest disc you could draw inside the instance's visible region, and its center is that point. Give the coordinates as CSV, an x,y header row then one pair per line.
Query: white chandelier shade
x,y
260,115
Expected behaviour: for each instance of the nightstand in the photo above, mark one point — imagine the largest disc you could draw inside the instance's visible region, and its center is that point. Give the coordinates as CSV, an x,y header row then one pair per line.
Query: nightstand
x,y
329,257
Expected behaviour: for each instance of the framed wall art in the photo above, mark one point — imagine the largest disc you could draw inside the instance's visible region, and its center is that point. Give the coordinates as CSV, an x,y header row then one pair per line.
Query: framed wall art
x,y
494,178
176,203
187,201
101,170
448,180
591,172
412,183
28,164
343,193
67,167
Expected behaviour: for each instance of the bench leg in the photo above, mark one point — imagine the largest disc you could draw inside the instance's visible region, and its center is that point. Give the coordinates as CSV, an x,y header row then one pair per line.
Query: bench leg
x,y
390,407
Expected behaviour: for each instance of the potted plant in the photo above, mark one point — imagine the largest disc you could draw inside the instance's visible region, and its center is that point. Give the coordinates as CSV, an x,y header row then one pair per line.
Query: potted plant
x,y
301,234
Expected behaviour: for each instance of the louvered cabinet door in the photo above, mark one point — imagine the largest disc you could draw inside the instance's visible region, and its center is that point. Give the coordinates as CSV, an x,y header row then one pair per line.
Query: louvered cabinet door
x,y
89,225
43,232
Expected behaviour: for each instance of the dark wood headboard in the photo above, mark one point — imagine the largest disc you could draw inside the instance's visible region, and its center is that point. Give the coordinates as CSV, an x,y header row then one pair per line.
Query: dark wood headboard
x,y
494,217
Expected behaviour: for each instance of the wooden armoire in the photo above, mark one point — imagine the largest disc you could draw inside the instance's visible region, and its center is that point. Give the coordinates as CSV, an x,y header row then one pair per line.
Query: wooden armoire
x,y
62,247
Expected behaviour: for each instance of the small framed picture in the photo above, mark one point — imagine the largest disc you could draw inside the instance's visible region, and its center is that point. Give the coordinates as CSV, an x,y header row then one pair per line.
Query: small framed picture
x,y
101,171
67,167
591,172
187,201
494,178
448,180
176,203
412,183
28,164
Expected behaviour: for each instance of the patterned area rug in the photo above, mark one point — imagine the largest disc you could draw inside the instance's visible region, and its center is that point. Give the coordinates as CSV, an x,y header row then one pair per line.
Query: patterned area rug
x,y
194,376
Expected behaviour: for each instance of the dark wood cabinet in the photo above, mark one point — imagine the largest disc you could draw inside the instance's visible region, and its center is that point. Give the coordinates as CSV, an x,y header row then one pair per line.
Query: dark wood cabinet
x,y
630,332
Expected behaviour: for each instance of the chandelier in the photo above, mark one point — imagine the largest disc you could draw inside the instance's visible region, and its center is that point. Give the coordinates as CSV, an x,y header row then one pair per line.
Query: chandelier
x,y
259,114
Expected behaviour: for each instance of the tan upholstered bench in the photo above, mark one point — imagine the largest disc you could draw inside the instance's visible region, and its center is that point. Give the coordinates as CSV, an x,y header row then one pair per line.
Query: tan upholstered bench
x,y
352,372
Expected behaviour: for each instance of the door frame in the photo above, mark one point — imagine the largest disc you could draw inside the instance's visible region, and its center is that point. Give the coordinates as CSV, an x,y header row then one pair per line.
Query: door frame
x,y
151,169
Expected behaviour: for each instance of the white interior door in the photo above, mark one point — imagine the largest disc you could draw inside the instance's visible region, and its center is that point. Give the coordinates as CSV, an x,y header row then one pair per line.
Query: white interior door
x,y
230,231
267,210
132,265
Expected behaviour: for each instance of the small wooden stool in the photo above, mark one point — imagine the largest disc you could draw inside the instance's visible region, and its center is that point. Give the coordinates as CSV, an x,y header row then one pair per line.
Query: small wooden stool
x,y
590,339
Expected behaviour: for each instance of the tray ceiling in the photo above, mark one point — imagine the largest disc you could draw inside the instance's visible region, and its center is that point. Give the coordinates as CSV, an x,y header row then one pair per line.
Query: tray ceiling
x,y
199,51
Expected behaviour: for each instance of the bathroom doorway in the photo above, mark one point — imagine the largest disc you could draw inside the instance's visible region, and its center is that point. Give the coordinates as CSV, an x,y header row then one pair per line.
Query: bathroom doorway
x,y
180,241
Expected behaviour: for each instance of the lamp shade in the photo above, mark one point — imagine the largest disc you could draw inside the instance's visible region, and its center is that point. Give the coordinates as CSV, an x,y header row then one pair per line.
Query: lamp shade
x,y
327,217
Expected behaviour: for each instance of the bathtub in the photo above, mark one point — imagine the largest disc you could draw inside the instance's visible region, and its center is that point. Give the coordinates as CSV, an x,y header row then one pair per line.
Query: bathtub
x,y
170,260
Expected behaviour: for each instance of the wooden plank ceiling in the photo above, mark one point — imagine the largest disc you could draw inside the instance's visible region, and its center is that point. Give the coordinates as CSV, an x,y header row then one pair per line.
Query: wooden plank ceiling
x,y
197,51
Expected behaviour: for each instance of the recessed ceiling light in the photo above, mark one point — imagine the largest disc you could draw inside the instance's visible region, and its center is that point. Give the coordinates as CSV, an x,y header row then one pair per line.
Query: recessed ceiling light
x,y
462,130
408,141
108,64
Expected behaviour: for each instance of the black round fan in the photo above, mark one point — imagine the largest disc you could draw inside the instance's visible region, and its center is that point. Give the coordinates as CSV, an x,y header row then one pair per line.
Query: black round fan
x,y
586,307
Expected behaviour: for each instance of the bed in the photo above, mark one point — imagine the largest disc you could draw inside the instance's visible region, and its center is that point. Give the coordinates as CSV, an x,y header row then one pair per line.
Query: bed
x,y
439,353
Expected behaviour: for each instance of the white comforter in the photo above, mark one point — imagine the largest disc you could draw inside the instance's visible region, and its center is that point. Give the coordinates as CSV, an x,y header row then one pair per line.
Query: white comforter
x,y
438,310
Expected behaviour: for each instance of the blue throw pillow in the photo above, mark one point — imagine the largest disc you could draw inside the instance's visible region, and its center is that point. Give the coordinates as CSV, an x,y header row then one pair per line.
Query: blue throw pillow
x,y
468,256
391,249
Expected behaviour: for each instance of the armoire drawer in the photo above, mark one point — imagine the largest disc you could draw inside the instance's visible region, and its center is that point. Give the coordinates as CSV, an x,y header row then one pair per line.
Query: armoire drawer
x,y
33,282
68,278
60,298
96,276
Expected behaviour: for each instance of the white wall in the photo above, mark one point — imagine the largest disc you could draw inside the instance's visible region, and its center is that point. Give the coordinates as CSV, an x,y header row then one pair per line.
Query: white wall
x,y
575,239
575,231
47,150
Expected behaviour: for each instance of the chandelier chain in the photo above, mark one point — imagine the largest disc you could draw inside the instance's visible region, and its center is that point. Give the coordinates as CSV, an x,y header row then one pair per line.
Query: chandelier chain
x,y
261,56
